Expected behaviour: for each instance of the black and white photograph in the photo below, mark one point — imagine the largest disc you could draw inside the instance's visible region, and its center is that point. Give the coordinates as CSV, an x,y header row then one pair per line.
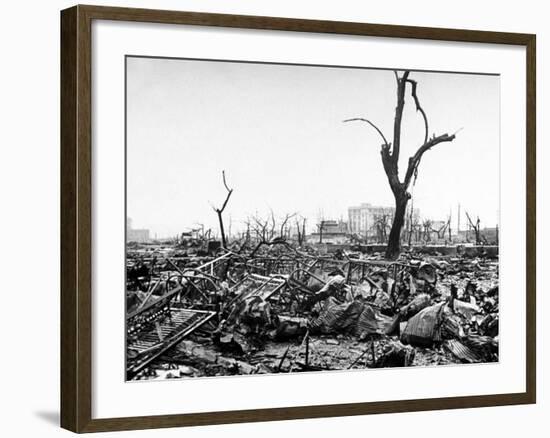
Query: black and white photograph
x,y
289,218
275,219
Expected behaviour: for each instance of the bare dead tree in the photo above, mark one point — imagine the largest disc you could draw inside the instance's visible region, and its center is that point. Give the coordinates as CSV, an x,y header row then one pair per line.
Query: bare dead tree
x,y
443,229
283,225
273,224
243,238
298,232
246,233
219,211
263,229
382,224
268,231
321,227
301,230
476,227
390,159
417,227
427,224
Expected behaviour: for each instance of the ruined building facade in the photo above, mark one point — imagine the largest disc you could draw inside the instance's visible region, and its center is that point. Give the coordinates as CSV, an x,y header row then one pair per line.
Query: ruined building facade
x,y
330,231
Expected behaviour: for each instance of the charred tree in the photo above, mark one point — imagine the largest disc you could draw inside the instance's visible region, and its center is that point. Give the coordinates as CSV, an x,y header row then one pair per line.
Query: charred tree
x,y
427,224
477,229
321,227
284,229
301,230
390,159
265,231
219,211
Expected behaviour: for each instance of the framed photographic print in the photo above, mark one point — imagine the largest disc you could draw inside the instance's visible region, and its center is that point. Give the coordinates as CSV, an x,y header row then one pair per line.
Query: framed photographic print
x,y
325,218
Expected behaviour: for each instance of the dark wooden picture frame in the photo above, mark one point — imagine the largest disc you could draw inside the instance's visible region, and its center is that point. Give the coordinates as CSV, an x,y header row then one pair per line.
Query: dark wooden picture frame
x,y
76,218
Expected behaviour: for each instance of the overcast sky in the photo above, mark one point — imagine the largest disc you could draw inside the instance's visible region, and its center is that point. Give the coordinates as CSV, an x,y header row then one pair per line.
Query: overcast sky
x,y
277,131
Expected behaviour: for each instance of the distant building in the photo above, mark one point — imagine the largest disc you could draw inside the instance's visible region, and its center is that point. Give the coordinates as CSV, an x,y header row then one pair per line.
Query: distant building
x,y
136,235
330,231
365,220
373,222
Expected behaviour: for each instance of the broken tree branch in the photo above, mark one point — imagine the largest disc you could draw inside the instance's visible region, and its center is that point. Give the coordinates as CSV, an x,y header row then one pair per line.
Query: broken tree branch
x,y
284,222
414,161
396,76
225,182
360,119
401,85
229,192
219,211
419,107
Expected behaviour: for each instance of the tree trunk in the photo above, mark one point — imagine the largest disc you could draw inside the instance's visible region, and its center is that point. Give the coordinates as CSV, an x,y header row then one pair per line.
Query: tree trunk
x,y
393,248
390,160
222,231
219,211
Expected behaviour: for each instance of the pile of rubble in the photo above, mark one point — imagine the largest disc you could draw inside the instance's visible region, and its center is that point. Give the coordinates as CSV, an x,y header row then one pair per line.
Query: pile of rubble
x,y
284,310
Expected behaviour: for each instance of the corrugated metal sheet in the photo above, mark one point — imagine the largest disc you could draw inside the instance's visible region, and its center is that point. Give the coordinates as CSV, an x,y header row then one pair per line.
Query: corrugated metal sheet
x,y
355,317
423,328
460,350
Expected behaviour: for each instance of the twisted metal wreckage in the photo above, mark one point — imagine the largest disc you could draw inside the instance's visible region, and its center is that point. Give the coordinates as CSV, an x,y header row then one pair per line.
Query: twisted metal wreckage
x,y
287,311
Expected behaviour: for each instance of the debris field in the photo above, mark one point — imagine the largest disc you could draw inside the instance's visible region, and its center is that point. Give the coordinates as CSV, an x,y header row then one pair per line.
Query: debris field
x,y
284,310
